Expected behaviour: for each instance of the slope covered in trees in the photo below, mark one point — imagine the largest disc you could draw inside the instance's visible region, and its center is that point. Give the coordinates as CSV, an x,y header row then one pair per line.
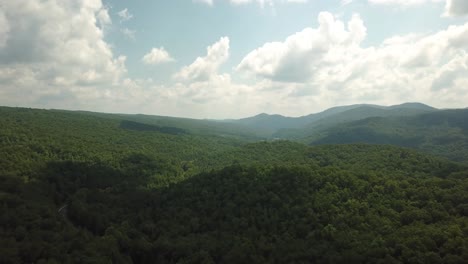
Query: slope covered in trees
x,y
193,126
278,126
443,133
82,188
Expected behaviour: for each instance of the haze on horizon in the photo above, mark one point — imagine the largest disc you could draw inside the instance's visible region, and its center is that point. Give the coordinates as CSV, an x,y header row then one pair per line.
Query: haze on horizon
x,y
232,59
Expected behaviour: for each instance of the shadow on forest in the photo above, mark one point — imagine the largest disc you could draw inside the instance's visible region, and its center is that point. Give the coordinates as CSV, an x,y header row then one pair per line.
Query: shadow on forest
x,y
369,136
98,194
131,125
239,214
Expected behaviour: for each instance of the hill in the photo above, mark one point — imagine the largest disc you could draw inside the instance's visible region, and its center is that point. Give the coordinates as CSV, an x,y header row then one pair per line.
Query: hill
x,y
82,187
278,126
192,126
443,133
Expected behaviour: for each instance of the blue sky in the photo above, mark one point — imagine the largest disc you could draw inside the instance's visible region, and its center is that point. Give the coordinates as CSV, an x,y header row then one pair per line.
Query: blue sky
x,y
232,58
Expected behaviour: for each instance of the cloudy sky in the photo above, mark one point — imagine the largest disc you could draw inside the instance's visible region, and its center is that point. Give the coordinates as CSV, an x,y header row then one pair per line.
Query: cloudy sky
x,y
232,58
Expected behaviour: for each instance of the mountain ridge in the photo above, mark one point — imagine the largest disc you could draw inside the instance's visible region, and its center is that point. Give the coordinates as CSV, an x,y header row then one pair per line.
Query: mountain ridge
x,y
270,125
341,108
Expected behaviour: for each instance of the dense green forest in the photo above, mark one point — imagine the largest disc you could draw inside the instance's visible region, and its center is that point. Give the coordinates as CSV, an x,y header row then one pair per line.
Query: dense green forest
x,y
81,187
443,133
294,127
438,132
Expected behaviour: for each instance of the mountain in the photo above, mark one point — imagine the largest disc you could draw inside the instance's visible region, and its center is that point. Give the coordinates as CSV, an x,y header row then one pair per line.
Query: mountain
x,y
357,113
442,132
414,105
268,124
278,126
264,125
362,112
271,123
187,125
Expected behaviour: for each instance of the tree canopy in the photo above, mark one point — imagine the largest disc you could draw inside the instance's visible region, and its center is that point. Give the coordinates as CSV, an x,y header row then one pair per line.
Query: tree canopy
x,y
86,188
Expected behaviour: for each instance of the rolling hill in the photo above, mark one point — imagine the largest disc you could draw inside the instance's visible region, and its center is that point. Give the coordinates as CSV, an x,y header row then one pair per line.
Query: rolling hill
x,y
80,187
443,133
278,126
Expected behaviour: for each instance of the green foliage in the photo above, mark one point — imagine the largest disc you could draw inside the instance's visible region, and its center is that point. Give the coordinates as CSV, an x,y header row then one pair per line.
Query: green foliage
x,y
81,188
146,127
443,133
277,126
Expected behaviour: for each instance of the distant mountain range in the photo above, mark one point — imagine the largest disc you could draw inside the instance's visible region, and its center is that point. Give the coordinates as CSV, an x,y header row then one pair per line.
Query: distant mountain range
x,y
415,125
437,131
274,125
443,132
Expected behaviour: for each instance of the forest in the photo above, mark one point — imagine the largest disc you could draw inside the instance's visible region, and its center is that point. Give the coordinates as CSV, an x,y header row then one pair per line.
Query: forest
x,y
82,187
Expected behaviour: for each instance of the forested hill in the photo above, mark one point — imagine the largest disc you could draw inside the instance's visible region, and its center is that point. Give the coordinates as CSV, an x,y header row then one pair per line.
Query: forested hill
x,y
443,133
95,188
288,127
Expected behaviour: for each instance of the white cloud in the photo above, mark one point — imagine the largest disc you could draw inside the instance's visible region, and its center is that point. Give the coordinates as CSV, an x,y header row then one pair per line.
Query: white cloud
x,y
56,56
103,17
456,8
157,56
297,58
56,49
203,68
450,73
124,15
329,64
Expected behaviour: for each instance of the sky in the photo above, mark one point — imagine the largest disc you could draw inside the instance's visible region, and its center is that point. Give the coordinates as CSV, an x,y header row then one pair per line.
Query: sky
x,y
232,58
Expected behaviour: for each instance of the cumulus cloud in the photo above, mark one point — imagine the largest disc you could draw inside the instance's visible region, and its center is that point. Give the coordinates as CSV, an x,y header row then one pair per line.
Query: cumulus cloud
x,y
157,56
456,8
299,56
204,68
103,17
54,55
450,73
53,46
124,15
331,62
